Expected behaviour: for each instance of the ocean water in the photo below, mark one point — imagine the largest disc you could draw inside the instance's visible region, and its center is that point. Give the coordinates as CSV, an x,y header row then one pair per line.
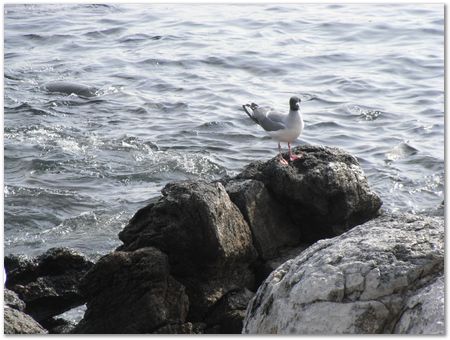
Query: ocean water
x,y
171,80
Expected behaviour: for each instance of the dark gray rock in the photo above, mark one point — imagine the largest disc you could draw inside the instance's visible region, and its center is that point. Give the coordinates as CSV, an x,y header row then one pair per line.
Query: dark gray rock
x,y
20,268
270,222
17,322
227,315
325,191
69,88
132,292
185,328
12,300
47,284
58,326
205,236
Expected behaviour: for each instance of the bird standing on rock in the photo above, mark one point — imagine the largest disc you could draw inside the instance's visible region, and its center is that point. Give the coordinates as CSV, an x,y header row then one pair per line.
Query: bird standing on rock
x,y
281,127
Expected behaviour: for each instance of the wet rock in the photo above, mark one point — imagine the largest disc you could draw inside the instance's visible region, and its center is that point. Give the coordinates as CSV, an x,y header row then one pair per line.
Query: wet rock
x,y
47,284
132,292
325,191
424,311
359,282
228,313
205,236
12,300
270,224
17,322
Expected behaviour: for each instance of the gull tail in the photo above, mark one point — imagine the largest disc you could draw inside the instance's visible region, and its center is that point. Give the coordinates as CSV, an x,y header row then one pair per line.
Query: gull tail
x,y
249,111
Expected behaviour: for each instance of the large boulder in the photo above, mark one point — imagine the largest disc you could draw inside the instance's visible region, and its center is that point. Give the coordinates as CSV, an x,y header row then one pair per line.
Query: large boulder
x,y
132,292
48,284
324,192
208,242
379,277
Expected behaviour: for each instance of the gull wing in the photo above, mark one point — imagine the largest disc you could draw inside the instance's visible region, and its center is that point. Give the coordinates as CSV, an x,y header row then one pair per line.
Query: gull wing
x,y
268,120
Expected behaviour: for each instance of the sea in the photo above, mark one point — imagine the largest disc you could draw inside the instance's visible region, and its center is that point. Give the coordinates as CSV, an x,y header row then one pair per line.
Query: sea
x,y
170,82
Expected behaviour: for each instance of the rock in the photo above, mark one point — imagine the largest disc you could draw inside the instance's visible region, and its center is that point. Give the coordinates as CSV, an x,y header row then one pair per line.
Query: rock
x,y
17,322
12,300
47,284
325,191
69,88
424,311
186,328
59,326
270,224
205,236
228,313
132,292
359,282
20,268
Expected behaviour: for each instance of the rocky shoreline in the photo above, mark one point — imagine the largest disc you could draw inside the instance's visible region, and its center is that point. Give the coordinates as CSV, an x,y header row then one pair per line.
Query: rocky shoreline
x,y
297,249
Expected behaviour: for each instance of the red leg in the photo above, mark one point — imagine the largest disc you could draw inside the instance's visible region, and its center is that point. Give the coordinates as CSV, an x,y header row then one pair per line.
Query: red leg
x,y
281,159
292,156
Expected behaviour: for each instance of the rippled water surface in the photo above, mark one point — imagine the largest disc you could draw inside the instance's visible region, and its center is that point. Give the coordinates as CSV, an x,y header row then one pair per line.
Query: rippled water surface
x,y
171,80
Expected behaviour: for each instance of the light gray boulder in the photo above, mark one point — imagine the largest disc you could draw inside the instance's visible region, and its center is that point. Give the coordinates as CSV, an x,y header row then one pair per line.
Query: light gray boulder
x,y
12,300
17,322
370,279
424,311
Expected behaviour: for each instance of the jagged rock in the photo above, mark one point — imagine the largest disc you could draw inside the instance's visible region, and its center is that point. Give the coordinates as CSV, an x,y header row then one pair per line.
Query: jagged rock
x,y
227,315
47,284
132,292
325,191
205,236
12,300
17,322
271,226
424,311
358,282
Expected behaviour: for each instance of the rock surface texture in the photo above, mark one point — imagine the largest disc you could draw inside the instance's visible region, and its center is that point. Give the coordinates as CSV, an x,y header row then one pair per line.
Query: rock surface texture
x,y
424,311
325,192
208,243
384,276
132,292
48,284
17,322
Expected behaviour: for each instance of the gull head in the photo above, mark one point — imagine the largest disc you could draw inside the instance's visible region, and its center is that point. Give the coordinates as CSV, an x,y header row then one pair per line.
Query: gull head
x,y
294,103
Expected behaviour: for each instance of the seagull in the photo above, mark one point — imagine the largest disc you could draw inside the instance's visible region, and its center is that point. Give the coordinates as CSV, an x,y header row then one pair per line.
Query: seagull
x,y
281,127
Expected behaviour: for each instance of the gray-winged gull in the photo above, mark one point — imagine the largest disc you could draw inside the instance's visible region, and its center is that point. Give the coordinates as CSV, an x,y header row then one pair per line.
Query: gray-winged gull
x,y
281,127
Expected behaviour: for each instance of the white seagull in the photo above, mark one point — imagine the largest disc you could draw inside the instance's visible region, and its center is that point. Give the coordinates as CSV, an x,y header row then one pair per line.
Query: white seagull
x,y
281,127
